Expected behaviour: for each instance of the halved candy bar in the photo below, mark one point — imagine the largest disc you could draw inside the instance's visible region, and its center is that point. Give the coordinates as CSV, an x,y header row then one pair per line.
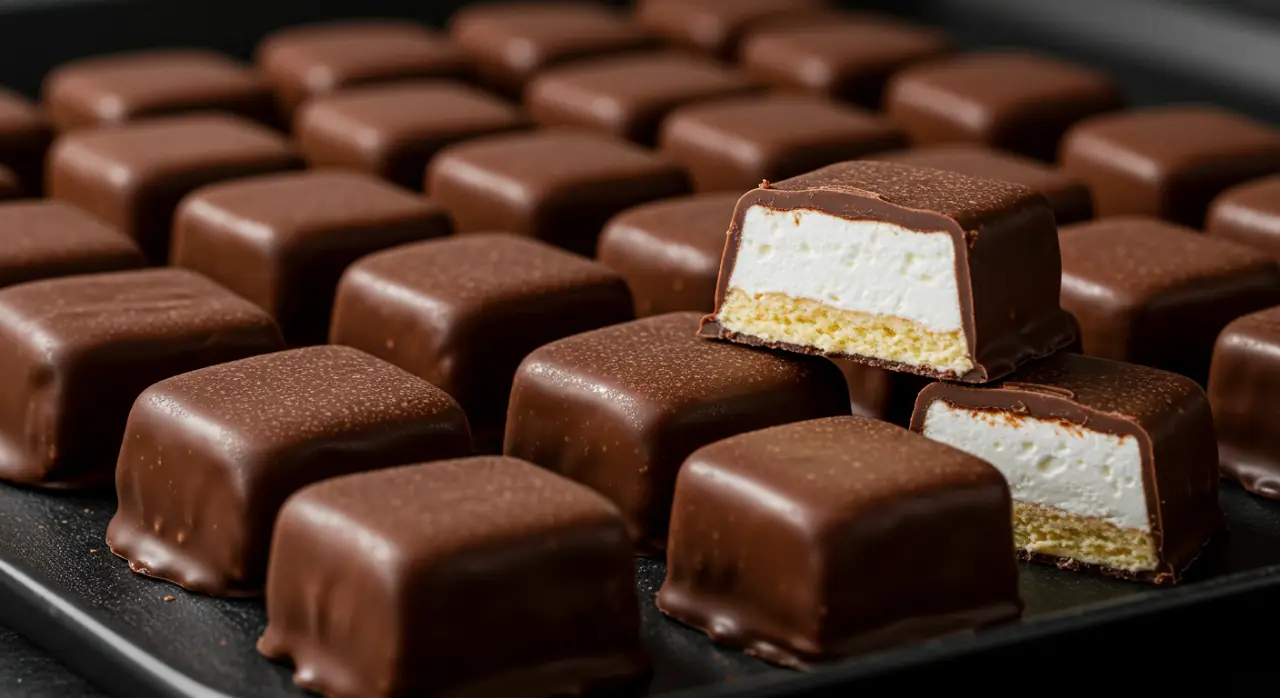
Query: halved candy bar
x,y
907,268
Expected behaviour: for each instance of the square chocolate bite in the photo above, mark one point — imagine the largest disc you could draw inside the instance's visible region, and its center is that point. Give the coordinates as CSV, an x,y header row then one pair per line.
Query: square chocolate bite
x,y
557,186
114,89
463,312
46,239
24,138
717,27
881,394
210,456
810,541
76,351
669,251
849,58
1157,294
1244,389
1168,162
306,61
1012,101
495,554
283,240
393,130
1249,214
629,96
620,408
133,176
734,144
511,42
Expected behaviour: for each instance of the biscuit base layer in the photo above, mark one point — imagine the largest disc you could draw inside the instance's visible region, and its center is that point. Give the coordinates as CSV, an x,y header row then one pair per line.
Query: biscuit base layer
x,y
1048,532
804,322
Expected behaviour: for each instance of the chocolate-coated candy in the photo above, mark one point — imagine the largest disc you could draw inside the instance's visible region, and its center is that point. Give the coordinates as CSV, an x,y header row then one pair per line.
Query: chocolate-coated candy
x,y
1250,214
45,239
1012,101
717,27
557,186
1156,294
114,89
629,96
1167,162
463,312
76,351
618,409
734,144
809,541
283,240
393,130
1244,388
478,576
879,393
669,251
133,176
10,187
210,456
24,138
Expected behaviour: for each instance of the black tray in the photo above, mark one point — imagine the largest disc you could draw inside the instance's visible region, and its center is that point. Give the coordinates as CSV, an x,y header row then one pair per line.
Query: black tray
x,y
62,588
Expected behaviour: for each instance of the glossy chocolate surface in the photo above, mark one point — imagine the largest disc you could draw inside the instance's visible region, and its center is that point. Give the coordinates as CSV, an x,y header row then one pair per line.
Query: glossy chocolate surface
x,y
210,456
25,134
879,393
46,239
809,541
283,240
1244,388
1156,294
463,312
620,408
734,144
1248,213
717,27
76,351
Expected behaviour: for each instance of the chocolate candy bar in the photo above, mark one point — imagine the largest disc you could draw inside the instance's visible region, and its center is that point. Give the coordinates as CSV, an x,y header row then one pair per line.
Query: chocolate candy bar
x,y
210,456
810,541
480,576
1157,294
1250,214
76,351
1244,389
463,312
114,89
283,240
511,42
847,59
734,144
24,138
618,409
557,186
629,96
393,130
669,251
1168,162
1012,101
1113,466
310,60
905,268
133,176
1068,196
881,394
717,27
46,239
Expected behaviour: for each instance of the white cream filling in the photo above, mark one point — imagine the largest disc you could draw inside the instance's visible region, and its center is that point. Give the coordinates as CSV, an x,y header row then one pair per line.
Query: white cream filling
x,y
865,266
1080,471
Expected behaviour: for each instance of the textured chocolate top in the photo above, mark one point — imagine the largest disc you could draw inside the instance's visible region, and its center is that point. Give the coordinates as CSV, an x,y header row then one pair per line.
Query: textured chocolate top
x,y
1250,214
716,26
44,239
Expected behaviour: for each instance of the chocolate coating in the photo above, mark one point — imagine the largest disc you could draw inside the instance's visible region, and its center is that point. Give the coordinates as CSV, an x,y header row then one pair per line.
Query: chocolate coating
x,y
114,89
809,541
1069,197
440,592
629,96
1168,162
46,239
1007,265
210,456
879,393
76,351
1249,214
669,251
25,134
283,240
393,130
620,408
1168,414
463,312
1244,389
717,27
557,186
133,176
10,187
1013,101
1156,294
734,144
